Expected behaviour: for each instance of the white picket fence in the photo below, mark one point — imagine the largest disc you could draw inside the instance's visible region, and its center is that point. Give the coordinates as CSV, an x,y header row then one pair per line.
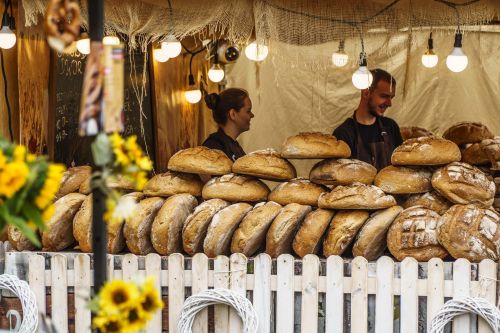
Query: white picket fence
x,y
273,294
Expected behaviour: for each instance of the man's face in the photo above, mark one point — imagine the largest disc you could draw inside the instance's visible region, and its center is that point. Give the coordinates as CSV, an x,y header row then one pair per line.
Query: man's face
x,y
381,98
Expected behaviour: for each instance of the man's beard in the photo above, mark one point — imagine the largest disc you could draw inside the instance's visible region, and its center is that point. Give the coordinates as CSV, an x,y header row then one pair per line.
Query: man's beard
x,y
371,110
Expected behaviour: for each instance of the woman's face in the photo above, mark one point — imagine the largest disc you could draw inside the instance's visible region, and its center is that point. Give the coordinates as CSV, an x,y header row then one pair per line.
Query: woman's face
x,y
243,116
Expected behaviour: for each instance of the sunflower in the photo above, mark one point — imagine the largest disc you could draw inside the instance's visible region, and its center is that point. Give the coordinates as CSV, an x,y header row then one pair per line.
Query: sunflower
x,y
117,144
144,163
13,177
140,180
51,185
19,153
48,213
3,160
151,301
118,295
135,320
109,324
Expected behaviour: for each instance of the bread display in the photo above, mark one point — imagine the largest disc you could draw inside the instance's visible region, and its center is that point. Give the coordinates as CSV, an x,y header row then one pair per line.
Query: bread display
x,y
235,188
414,234
18,240
170,183
356,196
403,180
475,155
72,179
343,228
314,145
200,160
426,151
308,238
265,164
118,182
342,172
470,232
467,132
414,132
430,200
251,233
298,190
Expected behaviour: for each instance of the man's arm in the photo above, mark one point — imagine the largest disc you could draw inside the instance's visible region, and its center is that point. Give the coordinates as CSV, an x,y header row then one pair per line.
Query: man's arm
x,y
398,139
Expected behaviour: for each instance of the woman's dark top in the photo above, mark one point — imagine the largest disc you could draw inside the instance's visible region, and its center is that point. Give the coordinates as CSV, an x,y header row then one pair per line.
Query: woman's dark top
x,y
222,141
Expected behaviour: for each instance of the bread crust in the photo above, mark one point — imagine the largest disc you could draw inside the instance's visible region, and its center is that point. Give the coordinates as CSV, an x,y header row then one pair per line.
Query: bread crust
x,y
467,132
200,160
170,183
314,145
356,196
426,151
342,171
235,188
343,228
298,190
310,234
72,179
265,164
431,200
403,180
410,132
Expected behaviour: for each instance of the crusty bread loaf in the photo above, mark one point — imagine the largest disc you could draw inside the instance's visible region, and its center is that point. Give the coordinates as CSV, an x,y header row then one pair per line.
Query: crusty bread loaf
x,y
137,230
371,240
170,183
475,155
314,145
403,180
116,237
235,188
221,229
298,190
265,164
430,200
308,238
491,147
356,196
426,150
72,179
413,234
18,240
343,228
59,232
470,232
410,132
467,132
166,231
343,171
118,182
462,183
282,231
251,233
196,225
200,160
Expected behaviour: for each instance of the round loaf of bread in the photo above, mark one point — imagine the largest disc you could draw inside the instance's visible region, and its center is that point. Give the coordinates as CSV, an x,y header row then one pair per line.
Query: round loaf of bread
x,y
18,240
170,183
343,228
116,238
470,232
283,229
221,229
413,132
403,180
235,188
265,164
491,147
82,225
298,190
414,234
467,132
314,145
426,151
308,238
343,171
72,179
118,182
475,155
196,225
371,241
251,233
166,231
430,200
356,196
200,160
463,184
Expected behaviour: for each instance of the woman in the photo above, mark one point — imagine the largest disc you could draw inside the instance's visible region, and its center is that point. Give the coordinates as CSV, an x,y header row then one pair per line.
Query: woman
x,y
232,111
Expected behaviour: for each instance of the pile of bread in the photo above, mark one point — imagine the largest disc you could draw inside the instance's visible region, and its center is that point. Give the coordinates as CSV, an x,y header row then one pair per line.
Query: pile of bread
x,y
426,204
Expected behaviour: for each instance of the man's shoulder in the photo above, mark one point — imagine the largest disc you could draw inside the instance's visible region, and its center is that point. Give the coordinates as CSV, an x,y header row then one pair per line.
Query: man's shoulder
x,y
389,122
346,124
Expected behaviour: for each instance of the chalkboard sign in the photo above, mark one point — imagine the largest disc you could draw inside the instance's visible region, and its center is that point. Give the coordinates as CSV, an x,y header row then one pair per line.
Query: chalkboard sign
x,y
66,86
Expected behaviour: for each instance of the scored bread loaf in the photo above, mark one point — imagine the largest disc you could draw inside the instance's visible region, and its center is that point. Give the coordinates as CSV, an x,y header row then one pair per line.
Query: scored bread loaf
x,y
343,171
431,200
200,160
170,183
118,182
18,240
467,132
235,188
314,145
72,179
265,164
475,155
492,149
414,132
403,180
356,196
308,238
426,150
414,234
298,190
82,225
343,228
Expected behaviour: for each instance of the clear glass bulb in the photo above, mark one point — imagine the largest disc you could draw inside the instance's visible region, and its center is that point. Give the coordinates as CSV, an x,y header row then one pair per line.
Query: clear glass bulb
x,y
111,40
362,78
83,45
429,59
216,73
193,96
340,58
172,46
160,55
457,60
256,52
7,38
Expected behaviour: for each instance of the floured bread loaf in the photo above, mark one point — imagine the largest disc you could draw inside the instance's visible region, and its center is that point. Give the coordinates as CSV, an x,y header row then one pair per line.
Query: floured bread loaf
x,y
251,233
371,240
474,154
196,225
314,145
116,238
18,240
343,228
413,234
491,147
221,229
467,132
298,190
72,179
462,183
59,232
430,200
470,232
282,231
414,132
403,180
118,182
166,231
308,238
201,160
235,188
137,230
426,151
170,183
356,196
343,171
265,164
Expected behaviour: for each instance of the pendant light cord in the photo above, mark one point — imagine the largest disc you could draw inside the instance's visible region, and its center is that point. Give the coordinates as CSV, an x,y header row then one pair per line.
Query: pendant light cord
x,y
9,112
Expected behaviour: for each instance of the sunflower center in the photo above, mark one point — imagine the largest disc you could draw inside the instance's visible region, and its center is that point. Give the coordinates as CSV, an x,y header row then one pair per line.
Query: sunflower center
x,y
133,316
112,326
119,297
147,305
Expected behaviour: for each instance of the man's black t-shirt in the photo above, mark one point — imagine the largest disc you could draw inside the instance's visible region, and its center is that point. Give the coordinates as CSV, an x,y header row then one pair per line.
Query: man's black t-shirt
x,y
222,141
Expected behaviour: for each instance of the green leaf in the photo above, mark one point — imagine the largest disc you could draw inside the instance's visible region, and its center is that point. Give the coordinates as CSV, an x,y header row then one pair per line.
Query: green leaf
x,y
102,151
33,214
20,224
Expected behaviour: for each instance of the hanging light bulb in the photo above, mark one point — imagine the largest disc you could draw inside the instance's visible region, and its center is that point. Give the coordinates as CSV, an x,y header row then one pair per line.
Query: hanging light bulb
x,y
457,60
340,58
256,52
111,40
192,95
160,55
362,78
7,36
83,44
216,73
429,58
172,46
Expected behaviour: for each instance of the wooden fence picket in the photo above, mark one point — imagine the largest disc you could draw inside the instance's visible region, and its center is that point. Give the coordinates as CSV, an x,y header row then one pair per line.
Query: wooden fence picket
x,y
409,296
435,288
334,315
129,267
175,289
153,269
238,279
310,281
359,295
262,291
487,290
36,280
285,294
461,289
384,314
82,293
199,281
221,280
59,295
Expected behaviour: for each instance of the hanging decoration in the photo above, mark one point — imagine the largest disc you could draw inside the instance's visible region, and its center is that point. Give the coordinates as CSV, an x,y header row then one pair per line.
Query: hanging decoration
x,y
62,24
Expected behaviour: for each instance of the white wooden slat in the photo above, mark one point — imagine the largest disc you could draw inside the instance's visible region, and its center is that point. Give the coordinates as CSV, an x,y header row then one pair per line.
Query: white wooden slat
x,y
384,313
59,293
285,294
36,264
435,288
221,280
110,263
199,266
153,269
461,281
129,267
487,279
309,308
334,315
262,291
409,296
82,293
238,267
359,295
175,289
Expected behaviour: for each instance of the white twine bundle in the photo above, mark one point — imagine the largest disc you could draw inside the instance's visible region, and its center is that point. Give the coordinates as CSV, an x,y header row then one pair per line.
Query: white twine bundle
x,y
198,302
22,290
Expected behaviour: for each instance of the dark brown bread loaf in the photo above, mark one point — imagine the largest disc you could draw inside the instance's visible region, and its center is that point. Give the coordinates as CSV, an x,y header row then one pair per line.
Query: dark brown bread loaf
x,y
342,171
467,132
413,132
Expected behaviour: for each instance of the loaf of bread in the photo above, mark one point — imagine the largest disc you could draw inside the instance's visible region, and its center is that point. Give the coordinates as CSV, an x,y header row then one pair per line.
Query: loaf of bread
x,y
491,147
414,234
18,240
72,179
475,155
403,180
82,225
343,228
463,184
343,171
221,229
235,188
283,229
371,241
196,225
118,182
251,233
426,151
170,183
265,164
467,132
470,232
200,160
314,145
308,238
356,196
116,238
298,190
413,132
430,200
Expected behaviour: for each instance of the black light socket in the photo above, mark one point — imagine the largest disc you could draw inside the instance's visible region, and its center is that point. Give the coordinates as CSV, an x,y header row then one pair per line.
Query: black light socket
x,y
362,59
191,79
430,42
458,40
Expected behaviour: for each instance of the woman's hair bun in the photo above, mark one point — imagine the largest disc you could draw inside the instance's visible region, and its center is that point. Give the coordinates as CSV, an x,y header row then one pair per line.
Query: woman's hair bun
x,y
212,100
